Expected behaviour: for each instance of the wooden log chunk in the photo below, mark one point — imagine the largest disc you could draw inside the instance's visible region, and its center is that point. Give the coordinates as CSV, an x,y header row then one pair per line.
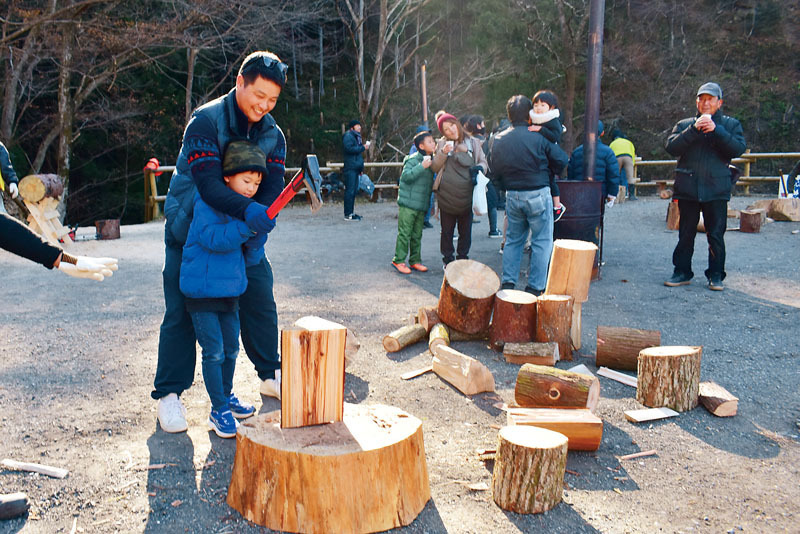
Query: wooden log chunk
x,y
13,504
673,216
427,317
539,386
718,400
779,209
35,187
366,473
55,472
583,429
107,229
458,335
669,376
534,352
312,372
570,271
513,318
438,336
529,469
750,221
466,374
403,337
554,321
618,347
575,326
467,295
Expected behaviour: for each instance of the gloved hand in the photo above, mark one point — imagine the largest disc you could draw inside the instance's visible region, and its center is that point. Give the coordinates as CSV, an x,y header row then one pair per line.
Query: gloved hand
x,y
257,241
87,267
13,190
256,218
473,172
610,201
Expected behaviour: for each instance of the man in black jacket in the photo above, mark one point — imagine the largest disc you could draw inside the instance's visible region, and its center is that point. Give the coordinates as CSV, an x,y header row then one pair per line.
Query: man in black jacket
x,y
352,165
704,146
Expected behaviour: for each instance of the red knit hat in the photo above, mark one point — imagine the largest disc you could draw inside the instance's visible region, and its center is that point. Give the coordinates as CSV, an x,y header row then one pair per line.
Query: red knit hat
x,y
445,117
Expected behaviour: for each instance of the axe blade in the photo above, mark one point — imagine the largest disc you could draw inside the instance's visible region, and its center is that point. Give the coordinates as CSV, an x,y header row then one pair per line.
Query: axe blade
x,y
313,181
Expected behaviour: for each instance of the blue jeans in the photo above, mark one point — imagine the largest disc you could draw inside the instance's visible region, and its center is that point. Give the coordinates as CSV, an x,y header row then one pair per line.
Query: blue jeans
x,y
350,179
528,211
176,344
218,335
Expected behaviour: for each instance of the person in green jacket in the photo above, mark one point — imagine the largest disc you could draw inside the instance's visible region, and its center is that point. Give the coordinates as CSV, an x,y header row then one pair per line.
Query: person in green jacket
x,y
416,182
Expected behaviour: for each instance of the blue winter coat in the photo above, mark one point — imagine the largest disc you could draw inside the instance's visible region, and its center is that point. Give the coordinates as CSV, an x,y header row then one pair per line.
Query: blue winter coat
x,y
213,264
352,151
605,168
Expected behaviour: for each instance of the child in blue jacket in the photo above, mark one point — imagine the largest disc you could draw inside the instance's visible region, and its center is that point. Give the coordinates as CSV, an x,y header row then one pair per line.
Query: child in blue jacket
x,y
218,248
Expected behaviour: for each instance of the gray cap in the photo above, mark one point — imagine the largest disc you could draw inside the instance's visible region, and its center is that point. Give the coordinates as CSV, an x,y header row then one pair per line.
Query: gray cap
x,y
710,88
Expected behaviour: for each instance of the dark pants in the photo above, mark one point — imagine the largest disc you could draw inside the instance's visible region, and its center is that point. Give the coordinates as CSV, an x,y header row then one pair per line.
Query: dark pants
x,y
350,179
176,344
429,211
715,219
218,336
491,203
449,221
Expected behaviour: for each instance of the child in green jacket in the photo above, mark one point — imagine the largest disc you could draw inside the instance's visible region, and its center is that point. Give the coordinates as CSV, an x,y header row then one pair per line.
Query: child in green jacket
x,y
413,196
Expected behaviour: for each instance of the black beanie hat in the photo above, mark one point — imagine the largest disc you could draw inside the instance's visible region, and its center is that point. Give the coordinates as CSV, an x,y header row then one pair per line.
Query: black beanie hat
x,y
353,123
242,156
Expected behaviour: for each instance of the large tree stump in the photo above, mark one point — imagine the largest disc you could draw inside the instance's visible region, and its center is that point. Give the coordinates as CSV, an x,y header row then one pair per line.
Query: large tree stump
x,y
439,335
403,337
466,374
534,352
428,317
583,429
540,386
570,273
669,376
750,221
366,473
718,400
529,469
673,215
35,187
513,318
554,321
618,347
467,295
312,372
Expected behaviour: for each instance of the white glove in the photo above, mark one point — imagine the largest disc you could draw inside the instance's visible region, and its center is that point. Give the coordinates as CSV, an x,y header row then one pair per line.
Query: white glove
x,y
610,201
88,267
13,190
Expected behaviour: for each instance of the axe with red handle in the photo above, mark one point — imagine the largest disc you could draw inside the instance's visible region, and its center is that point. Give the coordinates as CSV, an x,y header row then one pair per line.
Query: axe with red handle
x,y
308,176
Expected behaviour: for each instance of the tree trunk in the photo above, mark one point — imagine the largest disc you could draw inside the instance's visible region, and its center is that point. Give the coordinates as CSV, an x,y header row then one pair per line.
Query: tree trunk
x,y
539,386
618,347
467,295
553,322
65,101
403,337
583,429
191,61
535,353
669,376
513,318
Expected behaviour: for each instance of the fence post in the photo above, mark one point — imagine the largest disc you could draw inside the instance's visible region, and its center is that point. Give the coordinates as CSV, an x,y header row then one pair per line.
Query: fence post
x,y
747,174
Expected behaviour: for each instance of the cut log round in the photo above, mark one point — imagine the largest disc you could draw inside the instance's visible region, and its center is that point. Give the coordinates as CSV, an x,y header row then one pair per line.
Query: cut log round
x,y
463,372
718,400
534,352
618,347
673,216
13,504
554,321
427,317
750,221
539,386
529,469
669,376
513,318
107,229
35,187
403,337
438,336
570,271
467,295
583,429
366,473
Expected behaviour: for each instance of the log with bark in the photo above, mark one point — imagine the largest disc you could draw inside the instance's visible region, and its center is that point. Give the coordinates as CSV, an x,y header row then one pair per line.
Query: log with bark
x,y
534,352
529,469
403,337
554,321
458,335
718,400
467,295
539,386
669,376
618,347
673,216
466,374
583,429
439,335
513,318
13,505
428,317
35,187
366,473
750,221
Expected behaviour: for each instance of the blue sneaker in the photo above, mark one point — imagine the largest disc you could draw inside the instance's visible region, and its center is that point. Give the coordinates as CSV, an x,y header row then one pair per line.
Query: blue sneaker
x,y
239,409
222,423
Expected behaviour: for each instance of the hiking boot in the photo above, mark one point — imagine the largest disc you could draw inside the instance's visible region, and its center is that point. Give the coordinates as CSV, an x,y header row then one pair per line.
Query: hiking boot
x,y
715,283
271,387
239,409
222,423
401,268
172,414
494,234
559,212
678,279
419,267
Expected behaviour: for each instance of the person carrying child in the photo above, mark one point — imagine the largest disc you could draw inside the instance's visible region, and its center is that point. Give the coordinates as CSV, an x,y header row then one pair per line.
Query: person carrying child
x,y
413,196
213,276
545,119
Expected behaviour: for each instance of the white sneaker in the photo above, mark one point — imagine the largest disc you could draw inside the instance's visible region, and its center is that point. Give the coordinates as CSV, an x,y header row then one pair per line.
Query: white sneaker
x,y
271,387
172,414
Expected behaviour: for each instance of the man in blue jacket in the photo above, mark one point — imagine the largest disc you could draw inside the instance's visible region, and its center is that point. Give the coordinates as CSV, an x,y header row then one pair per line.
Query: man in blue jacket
x,y
241,114
606,168
8,178
704,145
352,165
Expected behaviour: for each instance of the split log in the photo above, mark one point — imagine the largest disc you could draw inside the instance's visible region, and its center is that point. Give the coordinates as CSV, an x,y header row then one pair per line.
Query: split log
x,y
416,372
13,505
750,221
570,271
779,209
366,473
35,187
438,336
534,352
428,317
575,326
539,386
513,318
403,337
649,414
312,372
467,295
583,429
718,400
618,347
466,374
554,321
669,376
673,216
55,472
529,468
622,378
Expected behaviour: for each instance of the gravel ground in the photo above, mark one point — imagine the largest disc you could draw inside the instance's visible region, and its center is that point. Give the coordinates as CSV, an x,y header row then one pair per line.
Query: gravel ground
x,y
77,361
